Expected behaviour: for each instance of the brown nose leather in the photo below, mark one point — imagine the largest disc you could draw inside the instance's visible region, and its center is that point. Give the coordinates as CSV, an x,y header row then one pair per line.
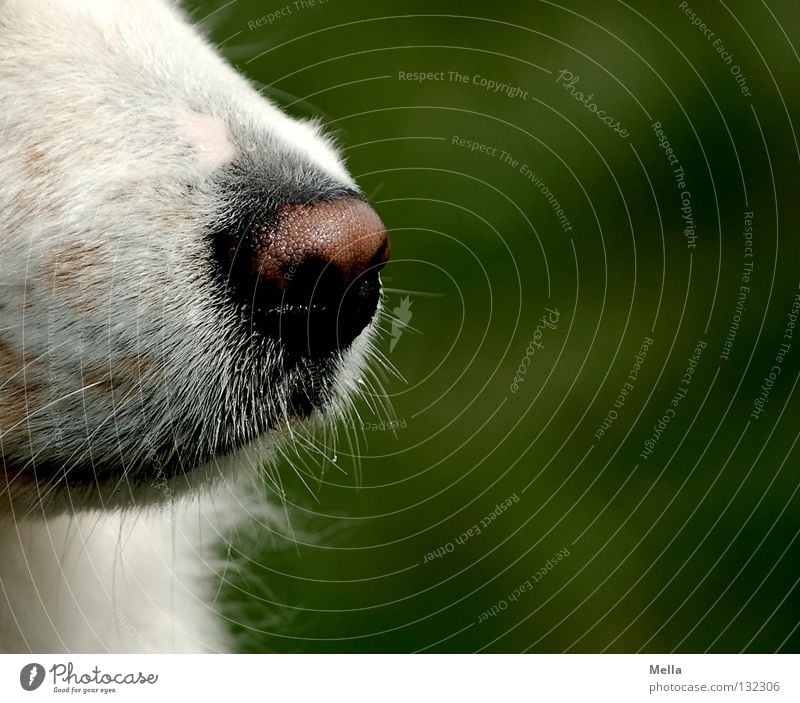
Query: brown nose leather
x,y
313,274
344,236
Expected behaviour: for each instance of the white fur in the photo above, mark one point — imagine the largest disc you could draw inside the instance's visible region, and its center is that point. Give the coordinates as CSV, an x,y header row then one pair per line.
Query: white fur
x,y
116,115
119,581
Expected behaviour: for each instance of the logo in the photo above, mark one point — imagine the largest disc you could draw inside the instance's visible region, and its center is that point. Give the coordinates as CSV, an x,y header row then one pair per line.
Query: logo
x,y
402,316
31,676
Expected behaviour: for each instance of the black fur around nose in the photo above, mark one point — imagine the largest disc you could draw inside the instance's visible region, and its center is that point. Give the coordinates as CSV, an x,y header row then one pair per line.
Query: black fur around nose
x,y
310,276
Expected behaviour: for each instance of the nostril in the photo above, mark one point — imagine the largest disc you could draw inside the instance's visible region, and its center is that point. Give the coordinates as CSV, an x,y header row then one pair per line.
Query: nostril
x,y
313,284
311,275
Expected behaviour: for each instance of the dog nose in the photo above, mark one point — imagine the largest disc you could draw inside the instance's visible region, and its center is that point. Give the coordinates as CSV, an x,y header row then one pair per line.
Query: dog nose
x,y
315,273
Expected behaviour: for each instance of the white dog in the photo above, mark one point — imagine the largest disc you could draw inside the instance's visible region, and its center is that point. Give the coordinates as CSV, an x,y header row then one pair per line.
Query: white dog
x,y
185,272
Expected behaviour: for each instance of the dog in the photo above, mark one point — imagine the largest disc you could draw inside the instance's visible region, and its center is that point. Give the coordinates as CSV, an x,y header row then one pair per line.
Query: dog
x,y
186,273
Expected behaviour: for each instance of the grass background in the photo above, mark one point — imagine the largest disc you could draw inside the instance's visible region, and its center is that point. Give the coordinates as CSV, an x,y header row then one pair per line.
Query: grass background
x,y
693,548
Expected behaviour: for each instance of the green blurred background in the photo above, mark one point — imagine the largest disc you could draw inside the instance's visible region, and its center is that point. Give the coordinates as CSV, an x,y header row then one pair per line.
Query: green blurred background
x,y
690,548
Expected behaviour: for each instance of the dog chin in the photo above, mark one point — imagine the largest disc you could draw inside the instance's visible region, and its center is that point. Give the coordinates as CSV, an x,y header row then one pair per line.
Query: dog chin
x,y
157,488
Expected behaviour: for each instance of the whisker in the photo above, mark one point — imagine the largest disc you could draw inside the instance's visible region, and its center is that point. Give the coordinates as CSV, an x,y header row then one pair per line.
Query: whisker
x,y
416,293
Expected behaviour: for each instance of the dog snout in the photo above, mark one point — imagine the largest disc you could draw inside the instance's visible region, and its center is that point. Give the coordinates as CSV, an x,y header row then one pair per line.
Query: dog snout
x,y
313,273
